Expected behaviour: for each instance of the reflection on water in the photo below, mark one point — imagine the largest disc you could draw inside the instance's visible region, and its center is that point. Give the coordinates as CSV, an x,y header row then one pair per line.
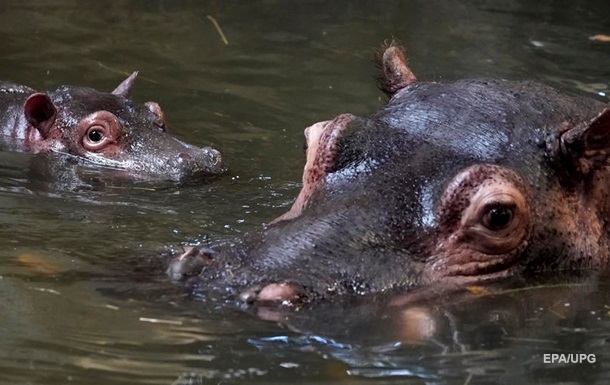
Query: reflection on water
x,y
495,334
84,299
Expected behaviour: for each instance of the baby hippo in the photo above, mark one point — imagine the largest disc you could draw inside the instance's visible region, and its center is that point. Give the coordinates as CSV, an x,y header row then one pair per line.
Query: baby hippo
x,y
101,129
447,185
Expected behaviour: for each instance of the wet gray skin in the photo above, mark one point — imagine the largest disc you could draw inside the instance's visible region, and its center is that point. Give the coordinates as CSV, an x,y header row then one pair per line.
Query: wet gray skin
x,y
447,185
108,130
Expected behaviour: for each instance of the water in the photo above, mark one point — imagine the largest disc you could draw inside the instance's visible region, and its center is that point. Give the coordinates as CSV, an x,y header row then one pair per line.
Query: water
x,y
83,295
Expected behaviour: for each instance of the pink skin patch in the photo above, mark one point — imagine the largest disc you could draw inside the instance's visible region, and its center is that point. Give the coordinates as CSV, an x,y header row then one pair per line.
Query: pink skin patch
x,y
278,292
321,140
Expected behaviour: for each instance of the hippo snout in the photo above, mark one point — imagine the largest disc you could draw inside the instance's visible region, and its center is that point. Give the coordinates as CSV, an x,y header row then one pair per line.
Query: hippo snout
x,y
197,162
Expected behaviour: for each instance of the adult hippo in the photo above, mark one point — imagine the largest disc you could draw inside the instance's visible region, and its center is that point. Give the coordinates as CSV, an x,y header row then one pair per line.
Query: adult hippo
x,y
449,184
101,129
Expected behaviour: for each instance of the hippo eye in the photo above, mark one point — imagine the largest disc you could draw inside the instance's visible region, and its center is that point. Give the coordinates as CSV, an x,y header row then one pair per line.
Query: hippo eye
x,y
305,147
498,217
95,136
98,131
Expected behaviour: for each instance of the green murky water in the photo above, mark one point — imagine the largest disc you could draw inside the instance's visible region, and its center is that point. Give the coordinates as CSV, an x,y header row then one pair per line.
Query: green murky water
x,y
82,301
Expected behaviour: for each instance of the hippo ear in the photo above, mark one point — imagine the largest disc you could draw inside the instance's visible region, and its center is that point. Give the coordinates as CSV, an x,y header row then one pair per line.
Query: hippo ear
x,y
156,110
124,89
40,112
396,75
585,147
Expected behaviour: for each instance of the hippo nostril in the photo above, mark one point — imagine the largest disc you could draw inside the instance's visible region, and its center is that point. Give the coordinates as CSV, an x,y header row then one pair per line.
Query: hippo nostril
x,y
249,295
196,162
215,156
190,263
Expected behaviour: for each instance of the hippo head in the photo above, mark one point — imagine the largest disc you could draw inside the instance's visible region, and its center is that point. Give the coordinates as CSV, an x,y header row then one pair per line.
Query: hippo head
x,y
109,130
447,184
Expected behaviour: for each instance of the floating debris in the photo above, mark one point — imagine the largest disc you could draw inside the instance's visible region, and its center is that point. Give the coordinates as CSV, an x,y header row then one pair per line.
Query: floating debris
x,y
222,35
161,321
38,263
604,38
45,290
